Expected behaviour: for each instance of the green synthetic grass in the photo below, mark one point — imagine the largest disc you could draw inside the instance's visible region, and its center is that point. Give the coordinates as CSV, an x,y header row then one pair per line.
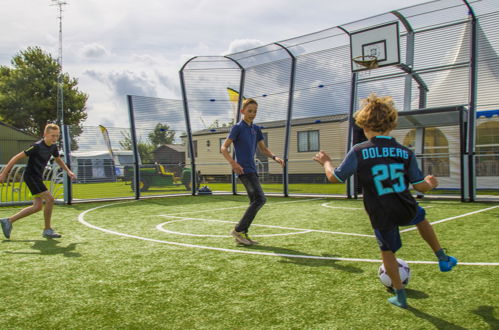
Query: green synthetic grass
x,y
91,279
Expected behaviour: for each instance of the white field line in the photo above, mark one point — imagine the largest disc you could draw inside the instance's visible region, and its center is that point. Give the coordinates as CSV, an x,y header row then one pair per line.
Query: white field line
x,y
81,219
240,207
303,230
452,218
161,228
341,207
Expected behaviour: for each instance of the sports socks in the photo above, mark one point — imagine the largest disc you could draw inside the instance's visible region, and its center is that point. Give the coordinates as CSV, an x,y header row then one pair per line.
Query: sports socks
x,y
441,255
400,298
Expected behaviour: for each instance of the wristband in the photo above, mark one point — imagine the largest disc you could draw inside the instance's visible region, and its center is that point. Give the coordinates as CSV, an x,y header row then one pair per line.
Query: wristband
x,y
274,157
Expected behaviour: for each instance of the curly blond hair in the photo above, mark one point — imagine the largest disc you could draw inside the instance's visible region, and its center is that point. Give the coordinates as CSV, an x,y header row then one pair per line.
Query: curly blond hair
x,y
377,113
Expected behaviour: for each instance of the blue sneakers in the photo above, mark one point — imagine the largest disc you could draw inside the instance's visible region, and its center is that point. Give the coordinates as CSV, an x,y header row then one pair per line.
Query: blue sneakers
x,y
446,266
400,299
50,233
6,227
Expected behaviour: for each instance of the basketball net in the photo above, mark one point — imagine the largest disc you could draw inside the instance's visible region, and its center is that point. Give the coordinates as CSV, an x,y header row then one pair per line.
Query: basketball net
x,y
367,61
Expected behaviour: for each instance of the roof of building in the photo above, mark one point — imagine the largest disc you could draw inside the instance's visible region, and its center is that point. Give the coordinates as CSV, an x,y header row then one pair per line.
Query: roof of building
x,y
281,123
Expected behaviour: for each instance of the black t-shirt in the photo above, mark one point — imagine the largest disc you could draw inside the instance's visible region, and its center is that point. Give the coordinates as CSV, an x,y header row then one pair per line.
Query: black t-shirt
x,y
385,169
39,154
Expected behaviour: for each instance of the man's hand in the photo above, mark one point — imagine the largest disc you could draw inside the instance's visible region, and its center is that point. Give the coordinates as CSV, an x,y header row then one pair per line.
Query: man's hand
x,y
237,168
321,157
2,177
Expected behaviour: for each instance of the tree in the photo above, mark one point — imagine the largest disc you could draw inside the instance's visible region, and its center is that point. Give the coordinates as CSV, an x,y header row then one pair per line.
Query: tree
x,y
161,135
218,124
144,149
28,92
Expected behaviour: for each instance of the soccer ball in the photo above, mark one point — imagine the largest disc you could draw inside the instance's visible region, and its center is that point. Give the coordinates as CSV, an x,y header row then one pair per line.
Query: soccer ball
x,y
404,271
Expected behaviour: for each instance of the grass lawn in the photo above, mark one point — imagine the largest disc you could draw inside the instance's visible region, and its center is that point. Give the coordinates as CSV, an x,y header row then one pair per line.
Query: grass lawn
x,y
169,263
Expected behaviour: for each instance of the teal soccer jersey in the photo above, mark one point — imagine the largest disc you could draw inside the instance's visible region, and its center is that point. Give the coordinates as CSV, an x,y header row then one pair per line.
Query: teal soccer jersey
x,y
385,170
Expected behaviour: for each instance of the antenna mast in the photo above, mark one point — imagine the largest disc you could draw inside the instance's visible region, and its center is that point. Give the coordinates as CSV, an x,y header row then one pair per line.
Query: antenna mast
x,y
60,93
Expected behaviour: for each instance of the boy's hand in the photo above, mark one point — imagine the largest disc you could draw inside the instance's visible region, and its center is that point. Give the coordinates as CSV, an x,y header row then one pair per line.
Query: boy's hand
x,y
280,161
237,168
2,178
432,181
321,157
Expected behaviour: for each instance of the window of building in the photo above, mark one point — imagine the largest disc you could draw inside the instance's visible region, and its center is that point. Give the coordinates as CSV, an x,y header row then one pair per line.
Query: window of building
x,y
487,149
436,151
308,141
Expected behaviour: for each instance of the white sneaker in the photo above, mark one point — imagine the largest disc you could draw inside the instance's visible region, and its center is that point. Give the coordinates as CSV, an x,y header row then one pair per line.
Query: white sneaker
x,y
50,233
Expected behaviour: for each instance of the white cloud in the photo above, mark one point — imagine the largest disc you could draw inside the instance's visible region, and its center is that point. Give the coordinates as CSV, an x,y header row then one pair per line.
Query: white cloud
x,y
94,50
240,45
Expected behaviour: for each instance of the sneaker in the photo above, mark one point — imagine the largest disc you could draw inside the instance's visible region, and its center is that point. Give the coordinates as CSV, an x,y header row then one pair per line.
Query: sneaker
x,y
240,237
400,299
50,233
253,242
6,227
446,266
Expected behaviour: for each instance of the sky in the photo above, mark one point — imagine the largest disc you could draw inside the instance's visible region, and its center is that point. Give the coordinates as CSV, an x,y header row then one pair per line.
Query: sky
x,y
120,47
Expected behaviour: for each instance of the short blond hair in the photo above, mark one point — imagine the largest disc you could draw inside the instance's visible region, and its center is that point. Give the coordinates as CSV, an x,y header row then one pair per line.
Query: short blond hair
x,y
49,127
248,102
378,113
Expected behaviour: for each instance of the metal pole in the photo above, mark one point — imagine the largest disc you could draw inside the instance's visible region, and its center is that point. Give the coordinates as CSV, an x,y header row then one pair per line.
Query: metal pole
x,y
473,91
462,150
240,100
188,127
68,185
133,137
351,191
288,120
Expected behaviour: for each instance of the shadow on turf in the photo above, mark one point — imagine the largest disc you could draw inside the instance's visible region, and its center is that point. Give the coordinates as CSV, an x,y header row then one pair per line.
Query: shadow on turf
x,y
48,247
487,312
307,262
437,322
413,294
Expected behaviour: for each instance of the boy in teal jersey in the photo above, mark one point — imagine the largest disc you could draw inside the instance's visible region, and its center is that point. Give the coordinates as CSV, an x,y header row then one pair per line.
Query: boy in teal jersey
x,y
385,169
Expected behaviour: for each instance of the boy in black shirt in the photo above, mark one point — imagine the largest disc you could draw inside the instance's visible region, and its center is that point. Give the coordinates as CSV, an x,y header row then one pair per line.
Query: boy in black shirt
x,y
385,169
39,154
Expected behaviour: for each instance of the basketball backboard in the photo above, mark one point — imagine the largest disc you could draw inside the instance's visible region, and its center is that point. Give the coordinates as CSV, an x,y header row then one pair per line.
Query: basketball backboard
x,y
380,43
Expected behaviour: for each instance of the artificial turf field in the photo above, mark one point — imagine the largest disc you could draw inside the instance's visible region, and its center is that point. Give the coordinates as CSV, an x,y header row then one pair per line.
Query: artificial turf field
x,y
169,263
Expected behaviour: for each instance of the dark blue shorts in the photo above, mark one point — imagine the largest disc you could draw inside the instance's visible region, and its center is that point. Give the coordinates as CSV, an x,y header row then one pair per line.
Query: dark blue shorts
x,y
35,184
389,240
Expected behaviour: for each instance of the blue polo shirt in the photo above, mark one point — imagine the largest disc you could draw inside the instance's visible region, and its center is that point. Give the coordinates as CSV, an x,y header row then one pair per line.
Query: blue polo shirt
x,y
245,138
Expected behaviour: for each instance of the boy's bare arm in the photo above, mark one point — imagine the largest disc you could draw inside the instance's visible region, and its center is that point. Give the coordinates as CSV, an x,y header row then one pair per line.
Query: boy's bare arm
x,y
11,164
225,152
266,151
428,184
63,165
322,158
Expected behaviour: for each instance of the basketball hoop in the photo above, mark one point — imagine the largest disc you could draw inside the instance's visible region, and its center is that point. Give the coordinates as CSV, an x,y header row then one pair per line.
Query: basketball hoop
x,y
367,61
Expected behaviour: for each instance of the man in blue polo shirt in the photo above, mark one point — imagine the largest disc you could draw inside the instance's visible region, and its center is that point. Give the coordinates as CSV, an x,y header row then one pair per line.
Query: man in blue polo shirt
x,y
246,137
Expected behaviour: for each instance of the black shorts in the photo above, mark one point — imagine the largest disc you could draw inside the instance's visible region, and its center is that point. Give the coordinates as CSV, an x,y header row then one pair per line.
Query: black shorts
x,y
35,184
389,240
